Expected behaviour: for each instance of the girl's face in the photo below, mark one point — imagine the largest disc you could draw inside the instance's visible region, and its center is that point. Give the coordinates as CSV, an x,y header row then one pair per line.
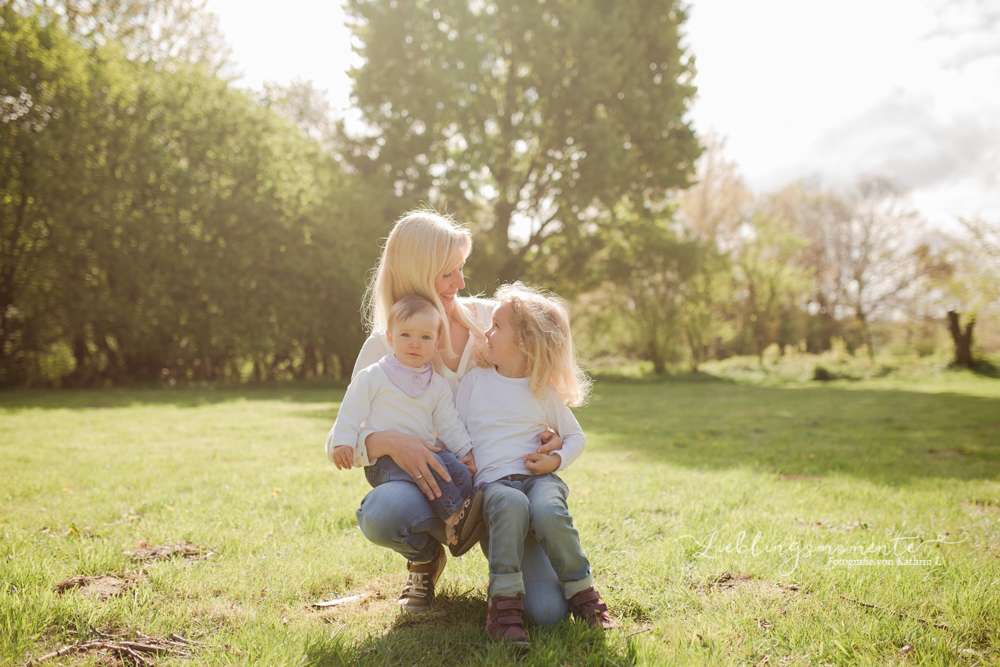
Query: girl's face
x,y
447,285
414,340
501,348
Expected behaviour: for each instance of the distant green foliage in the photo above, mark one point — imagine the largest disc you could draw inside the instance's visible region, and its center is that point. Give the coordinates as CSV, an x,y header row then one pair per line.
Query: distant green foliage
x,y
158,223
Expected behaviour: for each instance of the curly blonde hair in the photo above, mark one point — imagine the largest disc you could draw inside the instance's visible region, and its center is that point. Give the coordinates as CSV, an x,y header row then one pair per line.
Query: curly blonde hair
x,y
540,321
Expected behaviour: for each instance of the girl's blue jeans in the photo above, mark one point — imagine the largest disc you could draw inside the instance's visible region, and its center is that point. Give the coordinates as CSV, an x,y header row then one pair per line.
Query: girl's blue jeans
x,y
397,516
519,505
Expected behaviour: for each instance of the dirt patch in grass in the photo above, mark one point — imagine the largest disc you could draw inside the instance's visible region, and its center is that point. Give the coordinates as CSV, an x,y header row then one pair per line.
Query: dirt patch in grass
x,y
102,587
734,582
949,452
983,506
147,554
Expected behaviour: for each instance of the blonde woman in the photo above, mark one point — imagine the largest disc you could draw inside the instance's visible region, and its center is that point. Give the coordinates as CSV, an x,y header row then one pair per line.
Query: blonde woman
x,y
425,255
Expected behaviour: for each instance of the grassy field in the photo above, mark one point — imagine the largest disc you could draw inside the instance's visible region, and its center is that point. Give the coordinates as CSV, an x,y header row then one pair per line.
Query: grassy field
x,y
728,523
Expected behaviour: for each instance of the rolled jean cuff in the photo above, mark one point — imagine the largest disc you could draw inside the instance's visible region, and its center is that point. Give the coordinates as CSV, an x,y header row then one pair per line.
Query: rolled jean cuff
x,y
571,588
511,585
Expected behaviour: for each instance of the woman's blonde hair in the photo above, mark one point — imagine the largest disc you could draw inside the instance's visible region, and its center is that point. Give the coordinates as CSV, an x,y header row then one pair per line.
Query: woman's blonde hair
x,y
541,330
421,245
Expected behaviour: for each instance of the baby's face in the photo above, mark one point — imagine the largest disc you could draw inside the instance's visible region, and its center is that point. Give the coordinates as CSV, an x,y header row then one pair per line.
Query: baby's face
x,y
415,340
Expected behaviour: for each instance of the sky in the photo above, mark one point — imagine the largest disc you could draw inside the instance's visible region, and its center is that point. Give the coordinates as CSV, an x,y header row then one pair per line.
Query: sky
x,y
822,90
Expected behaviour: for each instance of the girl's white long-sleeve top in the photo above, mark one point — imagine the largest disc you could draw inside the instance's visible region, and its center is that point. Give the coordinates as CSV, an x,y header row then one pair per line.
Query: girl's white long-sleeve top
x,y
373,402
505,421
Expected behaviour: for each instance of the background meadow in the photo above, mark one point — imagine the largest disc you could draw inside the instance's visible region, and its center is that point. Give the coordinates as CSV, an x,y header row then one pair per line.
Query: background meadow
x,y
709,507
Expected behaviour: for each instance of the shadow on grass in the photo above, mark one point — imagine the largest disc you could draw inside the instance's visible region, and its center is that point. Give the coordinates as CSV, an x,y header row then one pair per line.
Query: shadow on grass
x,y
698,422
986,368
888,436
305,391
454,633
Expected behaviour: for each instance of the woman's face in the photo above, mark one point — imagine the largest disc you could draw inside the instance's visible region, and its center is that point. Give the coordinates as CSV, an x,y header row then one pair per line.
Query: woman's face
x,y
447,285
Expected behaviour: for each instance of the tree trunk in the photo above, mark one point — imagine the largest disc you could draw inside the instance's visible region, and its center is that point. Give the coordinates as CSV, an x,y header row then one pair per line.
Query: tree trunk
x,y
963,340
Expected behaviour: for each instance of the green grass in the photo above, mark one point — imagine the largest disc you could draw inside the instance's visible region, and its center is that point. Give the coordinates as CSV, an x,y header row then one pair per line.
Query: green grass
x,y
710,510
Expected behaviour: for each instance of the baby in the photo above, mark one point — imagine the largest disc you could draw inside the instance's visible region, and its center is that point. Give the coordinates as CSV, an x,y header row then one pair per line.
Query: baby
x,y
403,392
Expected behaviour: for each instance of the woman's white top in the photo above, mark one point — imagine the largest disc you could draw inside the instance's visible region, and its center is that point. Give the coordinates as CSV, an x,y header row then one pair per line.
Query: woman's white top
x,y
374,400
377,346
506,422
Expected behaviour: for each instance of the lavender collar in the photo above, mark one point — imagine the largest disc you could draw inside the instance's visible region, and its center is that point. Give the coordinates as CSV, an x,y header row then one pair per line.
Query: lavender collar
x,y
411,381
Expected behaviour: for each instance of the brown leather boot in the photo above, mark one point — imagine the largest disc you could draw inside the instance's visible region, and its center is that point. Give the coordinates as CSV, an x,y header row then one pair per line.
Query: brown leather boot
x,y
587,605
504,621
418,591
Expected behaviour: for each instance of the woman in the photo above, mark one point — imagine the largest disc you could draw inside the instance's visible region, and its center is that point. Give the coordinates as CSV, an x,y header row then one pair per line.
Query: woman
x,y
425,254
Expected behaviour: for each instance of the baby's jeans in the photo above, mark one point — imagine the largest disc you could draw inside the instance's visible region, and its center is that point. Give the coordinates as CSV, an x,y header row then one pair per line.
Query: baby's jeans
x,y
453,493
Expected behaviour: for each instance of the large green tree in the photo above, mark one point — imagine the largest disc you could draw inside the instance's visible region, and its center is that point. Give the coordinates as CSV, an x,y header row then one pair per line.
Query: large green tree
x,y
156,222
525,116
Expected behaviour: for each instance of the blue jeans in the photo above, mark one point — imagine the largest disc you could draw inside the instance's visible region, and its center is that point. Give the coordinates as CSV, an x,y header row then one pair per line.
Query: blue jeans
x,y
453,493
535,504
397,516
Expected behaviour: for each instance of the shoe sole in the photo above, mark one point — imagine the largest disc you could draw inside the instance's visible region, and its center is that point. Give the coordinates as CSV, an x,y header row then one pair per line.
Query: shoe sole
x,y
474,528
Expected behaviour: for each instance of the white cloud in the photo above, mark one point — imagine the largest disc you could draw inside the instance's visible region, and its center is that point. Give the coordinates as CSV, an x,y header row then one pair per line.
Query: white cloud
x,y
905,138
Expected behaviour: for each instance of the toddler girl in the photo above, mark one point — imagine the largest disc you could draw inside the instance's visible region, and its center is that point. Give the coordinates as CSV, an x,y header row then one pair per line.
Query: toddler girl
x,y
402,392
530,379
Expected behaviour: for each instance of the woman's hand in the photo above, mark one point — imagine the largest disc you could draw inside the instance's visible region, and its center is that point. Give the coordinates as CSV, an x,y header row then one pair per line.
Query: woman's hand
x,y
542,464
470,463
413,455
550,442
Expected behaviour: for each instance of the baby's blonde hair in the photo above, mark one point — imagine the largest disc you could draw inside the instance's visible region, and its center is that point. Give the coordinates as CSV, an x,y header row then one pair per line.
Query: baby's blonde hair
x,y
541,330
421,245
404,309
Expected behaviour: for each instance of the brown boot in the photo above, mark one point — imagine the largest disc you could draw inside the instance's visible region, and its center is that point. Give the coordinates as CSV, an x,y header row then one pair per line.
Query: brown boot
x,y
504,621
418,591
587,605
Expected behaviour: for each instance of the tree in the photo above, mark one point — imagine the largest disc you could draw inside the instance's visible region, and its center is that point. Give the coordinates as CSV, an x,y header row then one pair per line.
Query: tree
x,y
43,81
648,275
971,282
158,31
766,281
716,205
522,115
157,223
873,252
819,217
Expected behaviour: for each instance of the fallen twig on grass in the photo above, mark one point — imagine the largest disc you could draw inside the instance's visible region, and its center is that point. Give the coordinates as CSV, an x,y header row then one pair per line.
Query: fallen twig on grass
x,y
940,626
639,632
133,650
338,601
125,649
